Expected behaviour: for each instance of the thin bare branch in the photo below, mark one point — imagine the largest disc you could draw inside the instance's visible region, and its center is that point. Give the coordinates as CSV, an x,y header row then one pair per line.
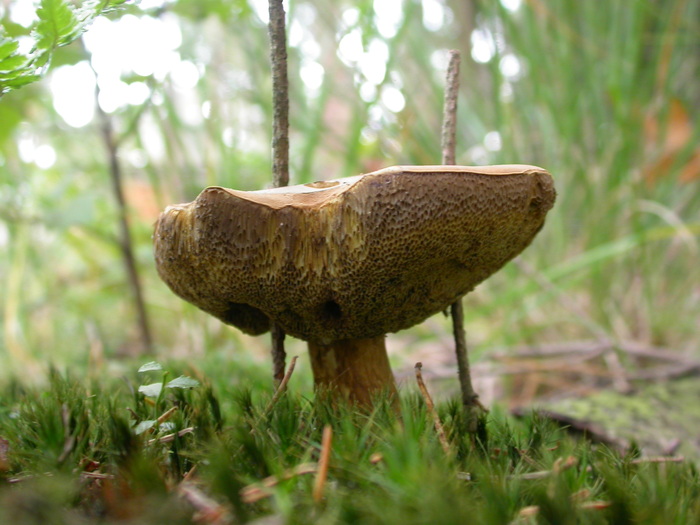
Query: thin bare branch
x,y
208,510
170,437
280,142
125,239
431,409
258,491
282,386
279,354
470,399
166,415
449,119
323,462
660,459
280,94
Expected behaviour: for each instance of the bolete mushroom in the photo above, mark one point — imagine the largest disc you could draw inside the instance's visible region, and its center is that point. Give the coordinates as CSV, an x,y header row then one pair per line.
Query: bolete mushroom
x,y
342,263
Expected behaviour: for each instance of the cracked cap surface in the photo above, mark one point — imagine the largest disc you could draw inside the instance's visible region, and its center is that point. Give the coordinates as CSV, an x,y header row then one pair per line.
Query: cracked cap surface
x,y
351,258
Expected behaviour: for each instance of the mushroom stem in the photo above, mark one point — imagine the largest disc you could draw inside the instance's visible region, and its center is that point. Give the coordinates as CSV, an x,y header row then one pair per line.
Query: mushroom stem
x,y
355,369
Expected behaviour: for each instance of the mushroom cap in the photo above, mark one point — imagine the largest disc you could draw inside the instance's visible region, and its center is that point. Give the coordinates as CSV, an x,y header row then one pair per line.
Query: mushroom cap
x,y
350,258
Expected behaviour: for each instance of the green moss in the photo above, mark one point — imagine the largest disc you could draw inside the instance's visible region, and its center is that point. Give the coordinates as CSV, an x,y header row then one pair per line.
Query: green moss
x,y
73,455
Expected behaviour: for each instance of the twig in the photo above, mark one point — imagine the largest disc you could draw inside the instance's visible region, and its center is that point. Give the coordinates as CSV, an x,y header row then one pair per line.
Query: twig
x,y
533,510
449,118
69,442
323,461
282,386
682,365
165,416
170,437
258,491
4,451
125,239
661,459
620,380
431,409
208,510
96,475
279,355
280,143
470,399
189,475
280,94
575,347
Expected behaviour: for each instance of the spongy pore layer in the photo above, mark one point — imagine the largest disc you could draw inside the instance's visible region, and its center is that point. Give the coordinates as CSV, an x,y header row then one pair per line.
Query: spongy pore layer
x,y
351,258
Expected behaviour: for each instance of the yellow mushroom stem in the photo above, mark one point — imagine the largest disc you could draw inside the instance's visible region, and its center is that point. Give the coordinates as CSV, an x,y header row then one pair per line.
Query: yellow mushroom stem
x,y
357,370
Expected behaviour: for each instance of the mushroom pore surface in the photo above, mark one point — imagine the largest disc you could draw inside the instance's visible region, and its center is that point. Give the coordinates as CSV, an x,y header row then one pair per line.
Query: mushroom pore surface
x,y
352,258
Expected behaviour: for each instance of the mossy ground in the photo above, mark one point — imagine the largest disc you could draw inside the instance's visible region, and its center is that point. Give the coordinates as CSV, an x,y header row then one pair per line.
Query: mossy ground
x,y
71,454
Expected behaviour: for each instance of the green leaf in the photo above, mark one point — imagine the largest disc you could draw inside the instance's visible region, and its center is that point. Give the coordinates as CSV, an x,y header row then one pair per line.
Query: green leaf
x,y
57,24
183,382
12,63
15,83
150,367
152,390
8,48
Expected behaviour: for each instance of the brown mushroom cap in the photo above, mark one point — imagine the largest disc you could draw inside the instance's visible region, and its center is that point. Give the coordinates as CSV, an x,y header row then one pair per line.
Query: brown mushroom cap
x,y
351,258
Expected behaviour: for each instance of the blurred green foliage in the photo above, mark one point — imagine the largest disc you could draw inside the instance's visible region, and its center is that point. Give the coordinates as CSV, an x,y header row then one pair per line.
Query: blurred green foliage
x,y
58,24
600,94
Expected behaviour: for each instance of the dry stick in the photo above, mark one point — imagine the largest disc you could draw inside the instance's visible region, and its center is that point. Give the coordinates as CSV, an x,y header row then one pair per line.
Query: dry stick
x,y
166,415
278,393
282,385
258,491
660,459
323,461
449,118
470,399
125,241
171,437
280,143
208,510
620,380
431,409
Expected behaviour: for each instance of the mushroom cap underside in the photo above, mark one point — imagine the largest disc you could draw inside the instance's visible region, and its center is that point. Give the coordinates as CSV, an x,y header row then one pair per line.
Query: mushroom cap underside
x,y
351,258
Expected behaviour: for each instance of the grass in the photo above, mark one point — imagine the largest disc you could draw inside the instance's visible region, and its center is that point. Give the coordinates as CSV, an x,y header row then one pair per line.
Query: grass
x,y
72,453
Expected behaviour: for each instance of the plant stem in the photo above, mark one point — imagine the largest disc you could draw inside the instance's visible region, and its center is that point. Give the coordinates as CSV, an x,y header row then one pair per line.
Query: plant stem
x,y
470,399
125,239
449,115
280,143
439,429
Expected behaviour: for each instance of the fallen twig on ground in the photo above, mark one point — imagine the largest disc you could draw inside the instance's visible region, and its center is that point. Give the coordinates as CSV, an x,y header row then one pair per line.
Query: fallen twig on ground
x,y
431,409
261,490
207,509
323,462
170,437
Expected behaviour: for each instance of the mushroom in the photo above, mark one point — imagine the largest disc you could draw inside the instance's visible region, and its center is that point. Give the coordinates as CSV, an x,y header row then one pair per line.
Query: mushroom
x,y
341,263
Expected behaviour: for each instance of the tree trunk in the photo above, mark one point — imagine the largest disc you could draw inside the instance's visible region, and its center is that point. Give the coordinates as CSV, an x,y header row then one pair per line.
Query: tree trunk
x,y
357,370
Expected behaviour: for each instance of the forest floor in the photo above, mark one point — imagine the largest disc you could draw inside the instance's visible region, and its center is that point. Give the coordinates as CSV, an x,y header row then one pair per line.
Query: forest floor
x,y
161,447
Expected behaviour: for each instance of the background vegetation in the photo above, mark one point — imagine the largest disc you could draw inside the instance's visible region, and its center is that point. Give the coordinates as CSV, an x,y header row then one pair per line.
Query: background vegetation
x,y
600,97
601,94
